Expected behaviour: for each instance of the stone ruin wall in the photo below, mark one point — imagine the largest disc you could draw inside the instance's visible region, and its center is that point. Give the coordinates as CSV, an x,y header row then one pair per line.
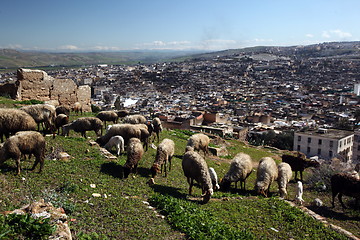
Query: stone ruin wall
x,y
37,84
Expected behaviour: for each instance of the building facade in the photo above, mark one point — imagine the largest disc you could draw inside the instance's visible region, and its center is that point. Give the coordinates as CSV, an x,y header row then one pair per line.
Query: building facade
x,y
356,147
325,143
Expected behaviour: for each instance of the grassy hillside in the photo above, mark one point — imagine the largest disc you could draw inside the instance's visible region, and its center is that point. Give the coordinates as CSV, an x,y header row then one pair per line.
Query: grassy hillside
x,y
122,211
15,59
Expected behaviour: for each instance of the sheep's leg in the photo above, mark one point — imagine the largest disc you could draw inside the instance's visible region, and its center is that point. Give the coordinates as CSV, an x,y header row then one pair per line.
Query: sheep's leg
x,y
118,150
191,182
301,176
170,163
333,198
236,185
340,200
18,165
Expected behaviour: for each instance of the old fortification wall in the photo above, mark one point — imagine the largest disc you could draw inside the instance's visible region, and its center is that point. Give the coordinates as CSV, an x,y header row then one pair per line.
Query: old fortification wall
x,y
37,84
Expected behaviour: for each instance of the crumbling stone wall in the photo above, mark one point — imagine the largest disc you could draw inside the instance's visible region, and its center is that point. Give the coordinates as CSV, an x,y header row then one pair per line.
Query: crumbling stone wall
x,y
37,84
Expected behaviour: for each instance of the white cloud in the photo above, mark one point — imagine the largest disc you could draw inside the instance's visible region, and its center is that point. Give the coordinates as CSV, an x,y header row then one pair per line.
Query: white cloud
x,y
309,35
105,48
68,47
263,40
336,34
12,46
161,45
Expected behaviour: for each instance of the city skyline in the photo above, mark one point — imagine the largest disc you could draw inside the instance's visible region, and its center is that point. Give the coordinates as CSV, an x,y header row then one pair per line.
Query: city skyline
x,y
69,26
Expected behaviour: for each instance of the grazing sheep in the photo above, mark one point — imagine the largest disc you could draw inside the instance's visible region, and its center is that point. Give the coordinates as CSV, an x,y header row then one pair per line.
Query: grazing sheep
x,y
134,154
240,169
60,121
284,176
144,134
135,119
82,125
299,163
299,193
345,184
117,142
62,110
195,168
198,142
127,131
14,120
77,107
27,142
42,113
214,178
267,172
157,127
165,152
122,113
107,116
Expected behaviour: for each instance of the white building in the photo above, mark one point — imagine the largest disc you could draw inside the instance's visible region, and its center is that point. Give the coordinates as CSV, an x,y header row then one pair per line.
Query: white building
x,y
357,89
356,148
325,143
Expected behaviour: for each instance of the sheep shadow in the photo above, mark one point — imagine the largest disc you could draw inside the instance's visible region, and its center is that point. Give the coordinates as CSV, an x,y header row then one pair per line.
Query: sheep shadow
x,y
112,169
329,212
167,190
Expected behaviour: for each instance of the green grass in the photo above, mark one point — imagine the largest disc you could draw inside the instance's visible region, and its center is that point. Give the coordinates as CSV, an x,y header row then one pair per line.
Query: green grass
x,y
120,212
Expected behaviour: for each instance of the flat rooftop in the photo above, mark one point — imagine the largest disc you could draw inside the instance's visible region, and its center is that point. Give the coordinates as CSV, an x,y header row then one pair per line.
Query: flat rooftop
x,y
327,133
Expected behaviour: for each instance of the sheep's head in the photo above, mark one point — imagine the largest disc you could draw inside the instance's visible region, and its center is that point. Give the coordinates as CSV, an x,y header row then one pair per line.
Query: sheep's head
x,y
207,195
225,184
126,171
282,192
312,163
260,189
155,169
189,149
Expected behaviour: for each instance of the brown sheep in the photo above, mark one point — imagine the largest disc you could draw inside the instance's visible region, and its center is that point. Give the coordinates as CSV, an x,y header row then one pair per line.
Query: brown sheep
x,y
14,120
164,154
135,152
77,108
127,131
42,113
60,121
299,163
82,125
345,184
27,142
107,116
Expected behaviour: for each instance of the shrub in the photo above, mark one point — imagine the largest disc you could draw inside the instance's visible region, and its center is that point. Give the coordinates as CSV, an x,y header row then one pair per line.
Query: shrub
x,y
15,226
196,223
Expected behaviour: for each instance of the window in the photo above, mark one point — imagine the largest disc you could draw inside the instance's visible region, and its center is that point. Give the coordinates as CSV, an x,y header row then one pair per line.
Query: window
x,y
331,144
320,141
308,149
299,138
319,151
309,139
298,147
358,148
330,154
340,144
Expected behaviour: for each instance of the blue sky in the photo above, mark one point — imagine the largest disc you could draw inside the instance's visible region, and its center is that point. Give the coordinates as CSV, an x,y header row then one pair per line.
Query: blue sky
x,y
112,25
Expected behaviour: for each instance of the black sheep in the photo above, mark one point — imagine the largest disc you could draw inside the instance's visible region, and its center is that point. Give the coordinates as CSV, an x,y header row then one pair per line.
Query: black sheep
x,y
345,184
299,163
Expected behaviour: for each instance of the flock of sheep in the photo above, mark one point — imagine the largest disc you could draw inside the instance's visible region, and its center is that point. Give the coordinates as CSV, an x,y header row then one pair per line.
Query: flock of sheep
x,y
135,133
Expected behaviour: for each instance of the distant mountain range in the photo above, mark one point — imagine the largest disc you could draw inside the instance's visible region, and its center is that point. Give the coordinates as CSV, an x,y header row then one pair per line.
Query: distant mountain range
x,y
13,59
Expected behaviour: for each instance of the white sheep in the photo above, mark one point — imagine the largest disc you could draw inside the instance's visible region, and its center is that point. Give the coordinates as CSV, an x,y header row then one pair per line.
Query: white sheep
x,y
284,176
214,178
299,193
198,142
240,169
267,172
135,152
117,142
164,154
195,168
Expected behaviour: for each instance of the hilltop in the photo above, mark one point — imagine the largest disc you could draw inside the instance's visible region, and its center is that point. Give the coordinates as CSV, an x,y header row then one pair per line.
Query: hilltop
x,y
10,58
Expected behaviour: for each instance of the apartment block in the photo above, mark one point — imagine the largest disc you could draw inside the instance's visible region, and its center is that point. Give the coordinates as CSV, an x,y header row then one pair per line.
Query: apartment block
x,y
325,143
